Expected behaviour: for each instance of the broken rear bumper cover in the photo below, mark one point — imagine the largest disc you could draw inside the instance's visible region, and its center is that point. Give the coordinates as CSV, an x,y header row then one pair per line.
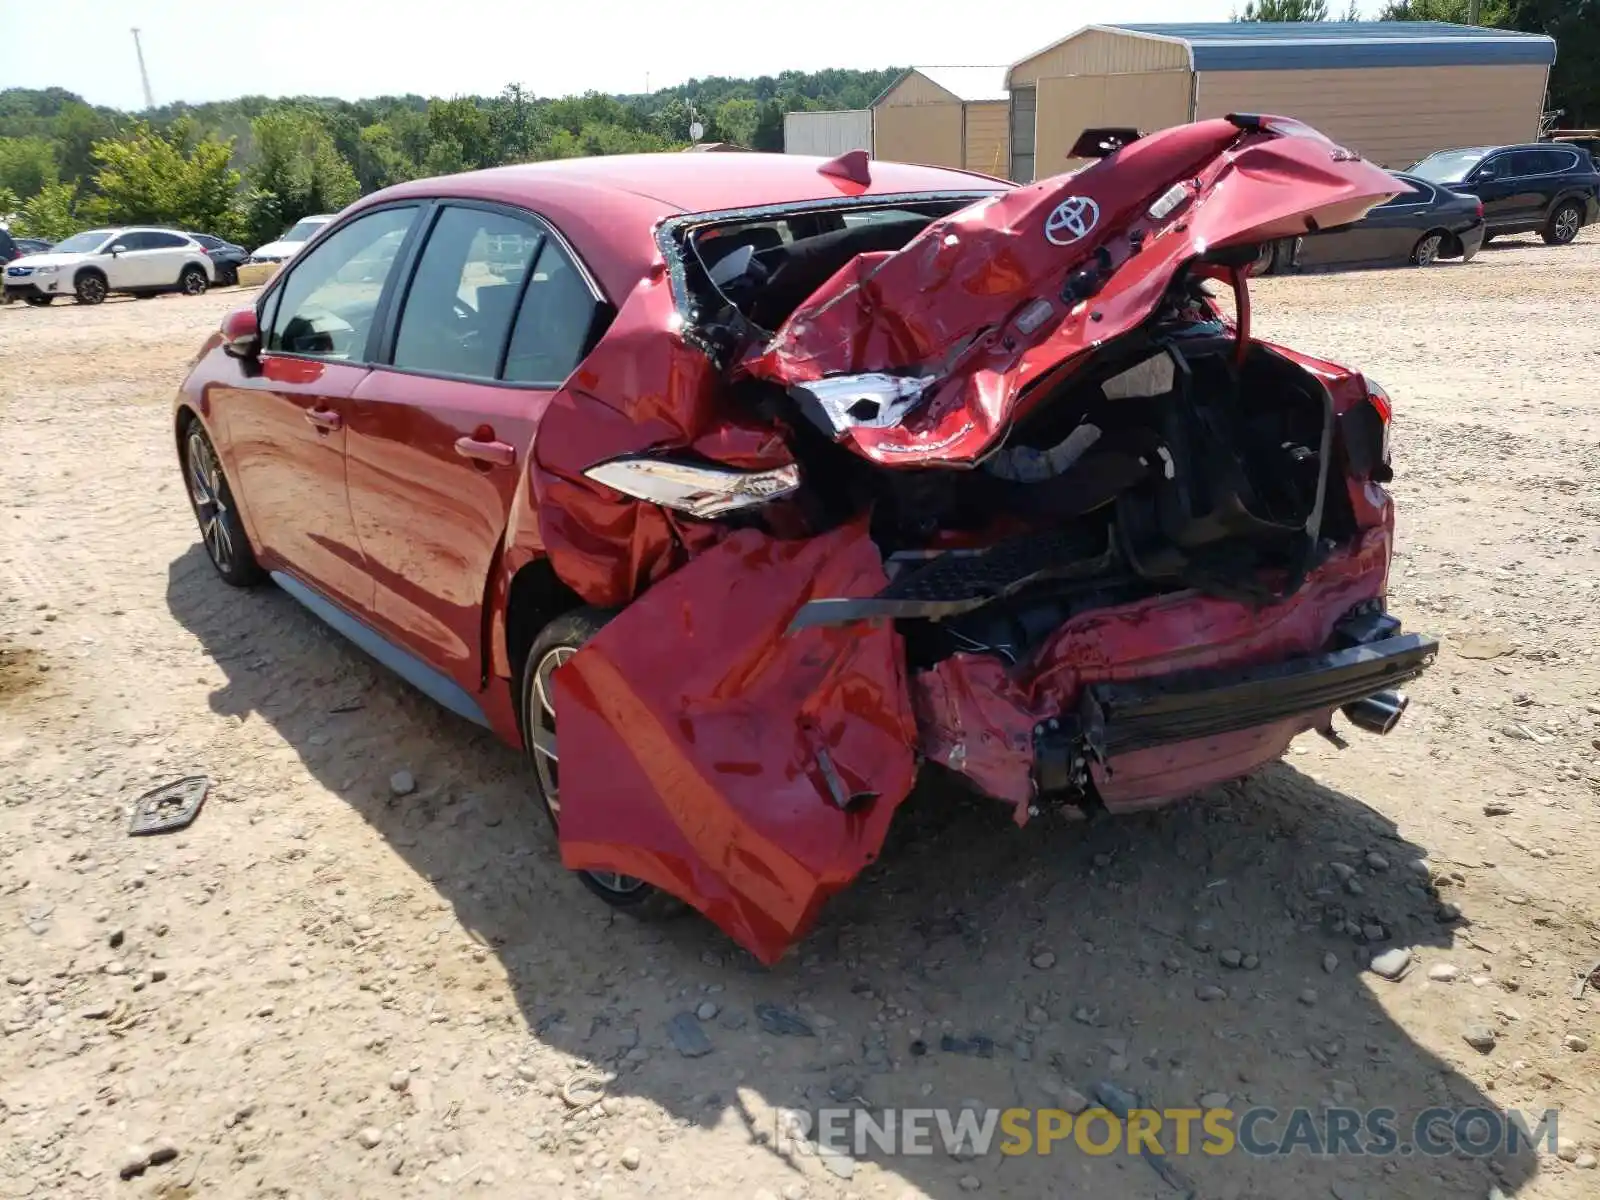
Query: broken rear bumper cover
x,y
1151,701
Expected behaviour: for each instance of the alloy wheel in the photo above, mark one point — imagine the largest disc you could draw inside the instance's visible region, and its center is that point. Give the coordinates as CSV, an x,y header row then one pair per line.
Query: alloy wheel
x,y
210,507
1427,250
91,289
1566,224
542,730
194,283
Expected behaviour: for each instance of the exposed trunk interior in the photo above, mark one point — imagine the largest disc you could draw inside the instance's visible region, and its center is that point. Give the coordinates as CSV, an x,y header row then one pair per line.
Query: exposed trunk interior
x,y
754,273
1167,461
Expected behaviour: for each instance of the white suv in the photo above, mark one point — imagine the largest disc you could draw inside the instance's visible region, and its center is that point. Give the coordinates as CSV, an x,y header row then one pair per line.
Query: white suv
x,y
89,266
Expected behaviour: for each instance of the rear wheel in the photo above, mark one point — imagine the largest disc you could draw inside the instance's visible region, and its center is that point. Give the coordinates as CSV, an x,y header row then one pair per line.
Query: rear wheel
x,y
1564,223
556,644
193,281
89,287
1426,252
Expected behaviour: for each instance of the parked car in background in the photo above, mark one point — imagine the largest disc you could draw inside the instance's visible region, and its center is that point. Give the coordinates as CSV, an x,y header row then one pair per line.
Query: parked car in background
x,y
89,266
290,241
28,245
730,488
225,257
1419,226
1543,187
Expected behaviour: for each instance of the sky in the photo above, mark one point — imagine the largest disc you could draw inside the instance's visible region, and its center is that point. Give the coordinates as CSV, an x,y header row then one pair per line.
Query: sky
x,y
199,50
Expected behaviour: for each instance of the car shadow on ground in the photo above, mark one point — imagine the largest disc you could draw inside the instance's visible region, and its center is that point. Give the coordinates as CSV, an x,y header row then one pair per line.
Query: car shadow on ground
x,y
976,964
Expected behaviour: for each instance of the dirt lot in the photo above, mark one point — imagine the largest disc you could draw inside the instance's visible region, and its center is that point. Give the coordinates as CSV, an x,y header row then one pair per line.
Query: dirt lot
x,y
325,989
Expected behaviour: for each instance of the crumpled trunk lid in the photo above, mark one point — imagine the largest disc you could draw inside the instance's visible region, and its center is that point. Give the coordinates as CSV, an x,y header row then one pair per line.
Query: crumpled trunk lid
x,y
992,298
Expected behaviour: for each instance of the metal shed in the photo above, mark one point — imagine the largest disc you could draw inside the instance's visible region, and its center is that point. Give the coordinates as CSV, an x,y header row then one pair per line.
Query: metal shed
x,y
944,117
1394,91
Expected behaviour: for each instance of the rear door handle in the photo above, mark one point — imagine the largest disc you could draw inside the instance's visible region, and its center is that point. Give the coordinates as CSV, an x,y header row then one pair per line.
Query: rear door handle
x,y
325,419
497,453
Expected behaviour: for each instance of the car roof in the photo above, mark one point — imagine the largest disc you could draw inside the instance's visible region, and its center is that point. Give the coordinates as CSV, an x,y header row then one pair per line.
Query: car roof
x,y
608,207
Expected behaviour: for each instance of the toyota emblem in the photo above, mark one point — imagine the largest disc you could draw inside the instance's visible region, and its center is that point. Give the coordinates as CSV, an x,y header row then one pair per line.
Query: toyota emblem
x,y
1071,220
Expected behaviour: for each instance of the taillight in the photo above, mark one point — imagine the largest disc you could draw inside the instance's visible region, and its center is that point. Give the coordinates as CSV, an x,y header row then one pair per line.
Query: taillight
x,y
1379,399
1480,209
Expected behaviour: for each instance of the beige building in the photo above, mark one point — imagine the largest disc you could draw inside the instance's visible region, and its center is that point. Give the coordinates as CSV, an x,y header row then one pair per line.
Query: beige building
x,y
944,117
1394,91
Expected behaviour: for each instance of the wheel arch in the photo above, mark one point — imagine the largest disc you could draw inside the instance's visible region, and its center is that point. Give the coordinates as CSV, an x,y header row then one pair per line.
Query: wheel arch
x,y
89,269
534,596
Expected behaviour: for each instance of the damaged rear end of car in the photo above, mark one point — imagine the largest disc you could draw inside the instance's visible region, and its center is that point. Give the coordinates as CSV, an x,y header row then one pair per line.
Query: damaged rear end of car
x,y
992,480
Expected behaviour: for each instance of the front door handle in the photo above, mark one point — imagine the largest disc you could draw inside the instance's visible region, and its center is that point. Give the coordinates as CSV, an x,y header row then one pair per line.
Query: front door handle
x,y
325,419
486,451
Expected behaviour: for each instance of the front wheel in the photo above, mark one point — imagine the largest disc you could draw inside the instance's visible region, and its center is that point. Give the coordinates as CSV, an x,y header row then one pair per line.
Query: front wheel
x,y
212,500
557,642
1426,252
193,281
1563,225
90,288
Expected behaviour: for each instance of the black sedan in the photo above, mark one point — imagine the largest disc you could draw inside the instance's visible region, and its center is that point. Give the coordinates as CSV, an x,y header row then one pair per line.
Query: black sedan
x,y
225,256
1419,226
1545,188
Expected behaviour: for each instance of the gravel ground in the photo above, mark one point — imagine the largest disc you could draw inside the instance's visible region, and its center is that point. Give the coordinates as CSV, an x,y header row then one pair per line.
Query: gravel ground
x,y
325,988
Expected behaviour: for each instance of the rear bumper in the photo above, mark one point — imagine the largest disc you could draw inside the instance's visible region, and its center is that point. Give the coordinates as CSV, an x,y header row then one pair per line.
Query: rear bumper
x,y
1119,719
1471,240
1154,700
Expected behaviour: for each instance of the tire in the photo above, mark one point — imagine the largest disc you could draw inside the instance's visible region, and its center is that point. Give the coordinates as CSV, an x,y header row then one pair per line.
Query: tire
x,y
1266,261
1487,238
211,499
192,281
90,288
1426,252
38,301
1562,227
556,643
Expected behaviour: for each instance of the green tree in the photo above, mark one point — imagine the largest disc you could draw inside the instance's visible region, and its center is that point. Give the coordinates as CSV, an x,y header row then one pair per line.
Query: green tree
x,y
461,137
298,171
49,215
736,120
77,128
27,165
1575,77
1283,10
1456,12
174,178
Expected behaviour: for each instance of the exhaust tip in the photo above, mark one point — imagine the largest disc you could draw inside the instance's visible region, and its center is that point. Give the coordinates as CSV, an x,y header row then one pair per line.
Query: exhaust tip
x,y
1378,713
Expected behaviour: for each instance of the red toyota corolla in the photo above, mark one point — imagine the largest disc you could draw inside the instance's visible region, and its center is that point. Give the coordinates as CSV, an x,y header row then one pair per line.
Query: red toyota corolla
x,y
775,477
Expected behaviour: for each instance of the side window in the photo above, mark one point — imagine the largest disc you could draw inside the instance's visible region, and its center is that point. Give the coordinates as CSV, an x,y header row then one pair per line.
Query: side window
x,y
326,306
131,240
1498,166
1519,163
1554,162
165,241
554,322
459,306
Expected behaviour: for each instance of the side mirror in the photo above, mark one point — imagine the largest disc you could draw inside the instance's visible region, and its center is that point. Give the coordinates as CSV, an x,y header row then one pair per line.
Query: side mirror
x,y
1485,173
241,334
119,248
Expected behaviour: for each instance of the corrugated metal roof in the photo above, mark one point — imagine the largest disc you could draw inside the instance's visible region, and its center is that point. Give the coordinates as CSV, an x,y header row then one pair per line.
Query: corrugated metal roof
x,y
968,83
1291,45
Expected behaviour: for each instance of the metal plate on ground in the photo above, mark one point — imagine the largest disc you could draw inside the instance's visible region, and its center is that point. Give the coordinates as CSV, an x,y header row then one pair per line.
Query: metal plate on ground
x,y
170,806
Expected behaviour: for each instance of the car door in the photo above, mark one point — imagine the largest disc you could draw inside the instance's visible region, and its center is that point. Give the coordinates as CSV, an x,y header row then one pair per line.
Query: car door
x,y
120,259
495,316
1494,181
286,420
163,258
